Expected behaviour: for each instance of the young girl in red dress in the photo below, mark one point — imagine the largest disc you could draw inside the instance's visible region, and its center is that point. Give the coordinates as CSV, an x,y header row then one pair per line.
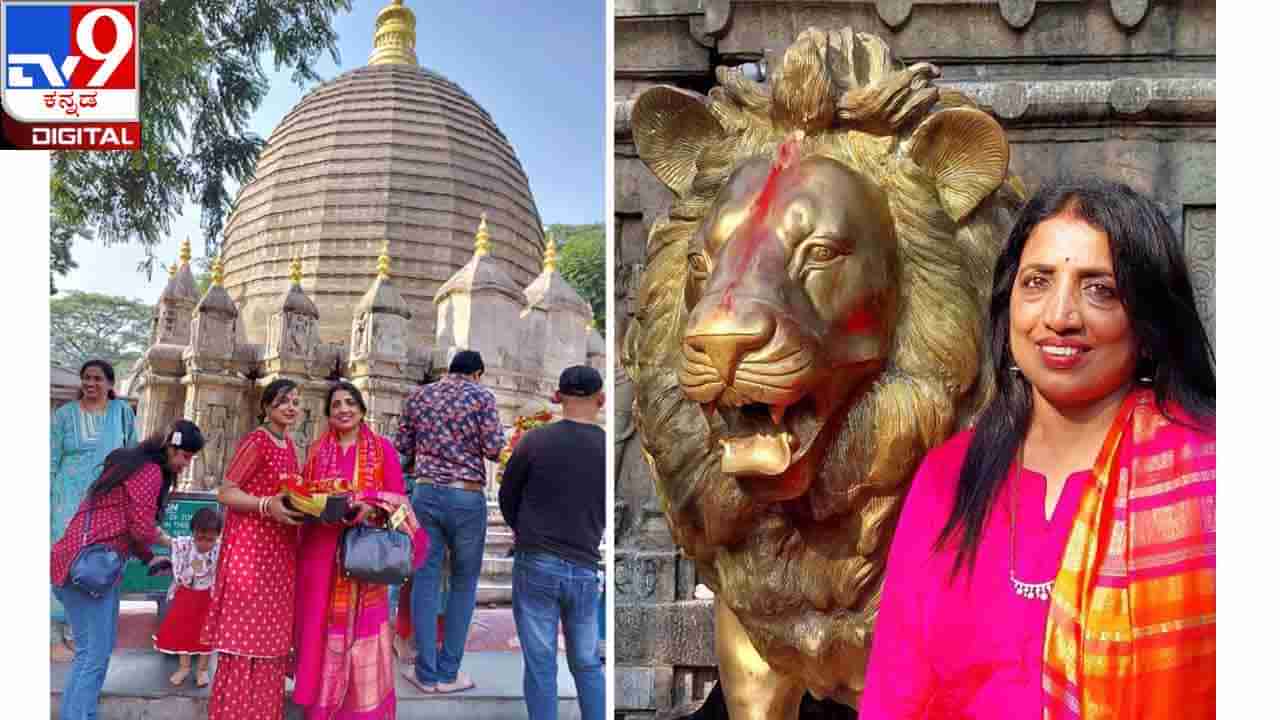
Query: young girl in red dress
x,y
194,559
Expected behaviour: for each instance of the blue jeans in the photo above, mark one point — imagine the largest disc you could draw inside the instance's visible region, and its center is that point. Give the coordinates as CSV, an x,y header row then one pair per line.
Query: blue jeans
x,y
93,628
457,518
545,592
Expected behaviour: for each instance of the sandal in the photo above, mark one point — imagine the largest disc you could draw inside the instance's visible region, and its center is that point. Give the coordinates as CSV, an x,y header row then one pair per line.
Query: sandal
x,y
179,676
462,682
202,678
411,675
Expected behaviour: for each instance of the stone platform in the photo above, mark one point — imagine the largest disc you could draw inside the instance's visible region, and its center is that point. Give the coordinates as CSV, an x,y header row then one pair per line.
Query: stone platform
x,y
492,629
137,688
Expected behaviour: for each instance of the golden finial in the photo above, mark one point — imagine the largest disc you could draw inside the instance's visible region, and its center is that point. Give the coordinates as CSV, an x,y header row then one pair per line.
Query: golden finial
x,y
184,255
549,257
295,270
384,261
395,34
482,236
173,270
217,271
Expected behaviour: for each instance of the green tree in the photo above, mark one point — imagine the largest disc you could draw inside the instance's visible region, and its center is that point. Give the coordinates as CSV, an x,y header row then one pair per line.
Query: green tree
x,y
582,263
83,326
202,77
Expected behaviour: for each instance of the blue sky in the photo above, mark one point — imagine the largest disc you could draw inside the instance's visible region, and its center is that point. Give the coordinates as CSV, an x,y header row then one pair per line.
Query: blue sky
x,y
537,67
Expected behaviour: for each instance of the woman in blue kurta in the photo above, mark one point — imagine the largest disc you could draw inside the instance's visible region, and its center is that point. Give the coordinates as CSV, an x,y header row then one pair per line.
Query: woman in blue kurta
x,y
81,436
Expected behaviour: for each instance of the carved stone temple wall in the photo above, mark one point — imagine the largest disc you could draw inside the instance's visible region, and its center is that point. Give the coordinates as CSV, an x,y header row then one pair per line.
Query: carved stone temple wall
x,y
1124,89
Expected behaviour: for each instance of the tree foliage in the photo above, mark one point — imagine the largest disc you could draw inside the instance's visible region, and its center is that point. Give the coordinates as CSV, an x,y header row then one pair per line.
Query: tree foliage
x,y
84,326
582,263
202,78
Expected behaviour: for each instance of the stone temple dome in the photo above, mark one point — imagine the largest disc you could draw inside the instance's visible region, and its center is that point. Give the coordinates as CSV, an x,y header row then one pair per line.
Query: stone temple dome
x,y
390,152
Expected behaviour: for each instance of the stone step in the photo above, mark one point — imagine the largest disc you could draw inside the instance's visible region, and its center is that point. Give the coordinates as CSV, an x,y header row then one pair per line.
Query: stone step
x,y
489,592
498,546
137,687
497,567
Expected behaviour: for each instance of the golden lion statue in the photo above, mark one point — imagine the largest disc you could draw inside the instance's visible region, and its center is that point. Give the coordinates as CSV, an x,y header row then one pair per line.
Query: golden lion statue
x,y
811,324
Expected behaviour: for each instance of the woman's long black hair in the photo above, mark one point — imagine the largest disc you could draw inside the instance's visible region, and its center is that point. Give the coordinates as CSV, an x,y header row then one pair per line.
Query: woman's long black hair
x,y
124,462
1155,289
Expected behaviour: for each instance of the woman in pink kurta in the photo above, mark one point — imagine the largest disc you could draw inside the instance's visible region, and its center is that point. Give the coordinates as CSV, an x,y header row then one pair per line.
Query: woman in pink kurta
x,y
968,648
1058,561
250,618
345,669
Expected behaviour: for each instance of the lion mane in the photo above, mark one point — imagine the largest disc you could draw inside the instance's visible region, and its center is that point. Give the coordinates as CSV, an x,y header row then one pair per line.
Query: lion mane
x,y
804,577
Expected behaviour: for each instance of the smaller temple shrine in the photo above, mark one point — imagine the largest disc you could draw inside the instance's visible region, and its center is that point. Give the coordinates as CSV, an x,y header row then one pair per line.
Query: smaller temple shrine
x,y
198,366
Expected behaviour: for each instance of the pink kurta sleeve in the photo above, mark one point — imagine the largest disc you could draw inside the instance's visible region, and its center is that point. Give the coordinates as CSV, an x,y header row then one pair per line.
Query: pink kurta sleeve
x,y
900,678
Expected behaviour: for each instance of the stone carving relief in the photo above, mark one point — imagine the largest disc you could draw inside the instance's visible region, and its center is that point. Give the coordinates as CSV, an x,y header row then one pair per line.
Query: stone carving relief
x,y
636,578
1199,237
298,335
218,427
305,430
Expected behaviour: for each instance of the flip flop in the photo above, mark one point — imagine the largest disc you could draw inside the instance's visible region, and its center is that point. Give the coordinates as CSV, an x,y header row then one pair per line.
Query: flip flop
x,y
412,676
462,683
179,677
202,679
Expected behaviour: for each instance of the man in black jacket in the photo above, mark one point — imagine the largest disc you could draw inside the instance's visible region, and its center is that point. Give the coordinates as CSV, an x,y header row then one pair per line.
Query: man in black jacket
x,y
553,496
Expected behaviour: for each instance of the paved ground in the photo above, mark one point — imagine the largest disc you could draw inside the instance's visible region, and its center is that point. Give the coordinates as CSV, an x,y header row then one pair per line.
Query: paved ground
x,y
137,688
491,628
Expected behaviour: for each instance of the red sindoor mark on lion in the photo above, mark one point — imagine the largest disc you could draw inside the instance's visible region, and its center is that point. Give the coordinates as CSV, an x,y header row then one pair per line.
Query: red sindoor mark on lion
x,y
757,231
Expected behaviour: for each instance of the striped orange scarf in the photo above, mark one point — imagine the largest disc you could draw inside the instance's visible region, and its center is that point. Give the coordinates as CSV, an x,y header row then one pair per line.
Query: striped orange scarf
x,y
1131,630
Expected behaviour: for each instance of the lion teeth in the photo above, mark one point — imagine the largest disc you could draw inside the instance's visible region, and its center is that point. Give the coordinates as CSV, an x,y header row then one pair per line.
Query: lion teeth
x,y
777,412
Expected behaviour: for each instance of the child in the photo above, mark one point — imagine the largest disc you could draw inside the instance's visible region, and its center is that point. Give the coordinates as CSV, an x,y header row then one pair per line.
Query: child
x,y
194,559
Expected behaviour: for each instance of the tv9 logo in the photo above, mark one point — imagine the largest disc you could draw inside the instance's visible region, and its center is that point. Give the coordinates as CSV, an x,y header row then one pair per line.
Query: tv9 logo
x,y
70,74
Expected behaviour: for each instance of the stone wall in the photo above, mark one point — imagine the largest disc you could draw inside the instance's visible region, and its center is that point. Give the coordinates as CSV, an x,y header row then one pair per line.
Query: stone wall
x,y
1124,89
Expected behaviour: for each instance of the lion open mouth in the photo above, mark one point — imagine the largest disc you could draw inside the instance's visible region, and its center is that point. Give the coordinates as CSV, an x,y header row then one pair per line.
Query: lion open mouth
x,y
760,439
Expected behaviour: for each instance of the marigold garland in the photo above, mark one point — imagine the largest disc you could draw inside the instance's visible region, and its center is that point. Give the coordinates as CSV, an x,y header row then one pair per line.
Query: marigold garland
x,y
523,424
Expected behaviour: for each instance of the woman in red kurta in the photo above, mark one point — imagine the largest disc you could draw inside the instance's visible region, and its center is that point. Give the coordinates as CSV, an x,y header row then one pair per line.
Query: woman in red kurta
x,y
250,620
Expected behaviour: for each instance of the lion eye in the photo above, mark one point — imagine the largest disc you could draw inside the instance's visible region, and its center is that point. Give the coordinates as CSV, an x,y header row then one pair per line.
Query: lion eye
x,y
820,254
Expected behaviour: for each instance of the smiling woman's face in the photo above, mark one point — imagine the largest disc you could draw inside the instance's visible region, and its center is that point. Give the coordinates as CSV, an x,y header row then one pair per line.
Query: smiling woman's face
x,y
285,410
344,411
94,383
1069,332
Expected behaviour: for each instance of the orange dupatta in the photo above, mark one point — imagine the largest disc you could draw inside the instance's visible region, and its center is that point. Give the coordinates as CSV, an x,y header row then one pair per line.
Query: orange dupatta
x,y
1131,629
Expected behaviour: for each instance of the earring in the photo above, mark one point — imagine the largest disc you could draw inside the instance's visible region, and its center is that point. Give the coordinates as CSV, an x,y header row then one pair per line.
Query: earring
x,y
1015,369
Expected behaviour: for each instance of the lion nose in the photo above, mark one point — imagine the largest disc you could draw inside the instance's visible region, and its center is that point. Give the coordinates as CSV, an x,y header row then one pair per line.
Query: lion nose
x,y
725,337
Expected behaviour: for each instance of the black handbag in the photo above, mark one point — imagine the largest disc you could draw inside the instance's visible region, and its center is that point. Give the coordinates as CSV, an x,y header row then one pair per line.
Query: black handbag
x,y
377,555
97,567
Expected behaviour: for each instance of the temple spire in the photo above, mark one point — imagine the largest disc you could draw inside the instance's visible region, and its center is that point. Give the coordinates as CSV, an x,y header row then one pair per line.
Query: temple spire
x,y
482,236
184,255
549,257
395,36
217,271
384,261
295,270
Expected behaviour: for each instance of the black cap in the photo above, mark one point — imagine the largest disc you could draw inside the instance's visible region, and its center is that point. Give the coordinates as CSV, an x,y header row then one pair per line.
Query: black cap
x,y
580,381
466,362
186,436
